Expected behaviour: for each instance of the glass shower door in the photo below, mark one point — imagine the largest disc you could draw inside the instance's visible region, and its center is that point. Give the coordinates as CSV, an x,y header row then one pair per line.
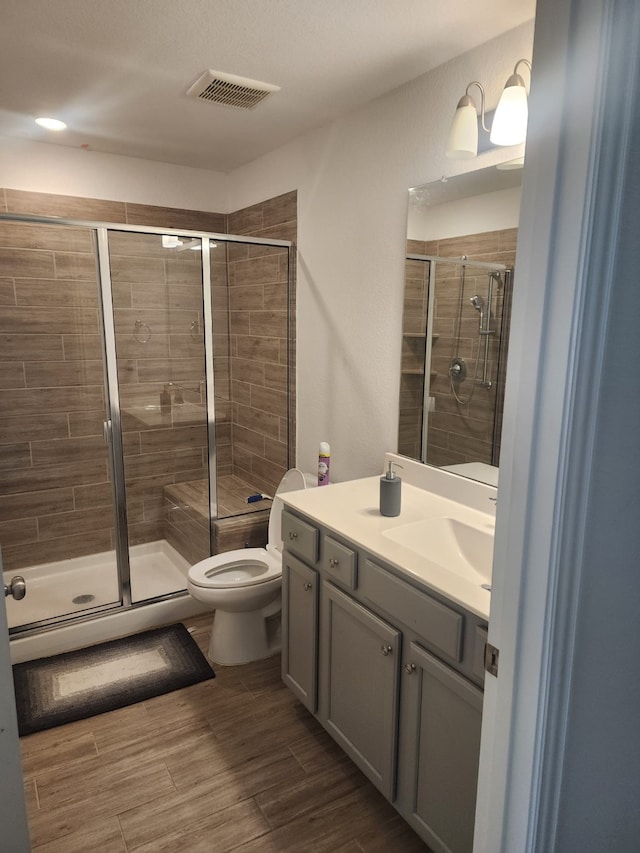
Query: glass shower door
x,y
57,523
157,289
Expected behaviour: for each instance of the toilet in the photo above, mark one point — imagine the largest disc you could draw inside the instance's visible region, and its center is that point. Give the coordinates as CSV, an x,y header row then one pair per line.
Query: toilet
x,y
244,587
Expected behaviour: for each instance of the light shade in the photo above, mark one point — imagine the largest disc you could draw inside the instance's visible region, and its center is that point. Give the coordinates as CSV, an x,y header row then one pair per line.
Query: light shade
x,y
50,123
462,142
510,120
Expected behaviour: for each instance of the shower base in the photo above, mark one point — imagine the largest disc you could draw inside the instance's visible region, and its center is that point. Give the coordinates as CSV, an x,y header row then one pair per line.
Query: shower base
x,y
69,587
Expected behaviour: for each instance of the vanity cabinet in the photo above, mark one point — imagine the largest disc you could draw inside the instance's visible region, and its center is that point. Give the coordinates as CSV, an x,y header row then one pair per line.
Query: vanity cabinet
x,y
359,685
300,596
439,752
391,671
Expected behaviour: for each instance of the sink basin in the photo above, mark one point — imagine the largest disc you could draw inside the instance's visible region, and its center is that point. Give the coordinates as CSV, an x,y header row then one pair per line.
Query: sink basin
x,y
454,545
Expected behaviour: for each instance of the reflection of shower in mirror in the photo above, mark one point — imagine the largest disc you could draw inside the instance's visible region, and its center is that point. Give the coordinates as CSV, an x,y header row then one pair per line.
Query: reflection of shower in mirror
x,y
458,369
443,343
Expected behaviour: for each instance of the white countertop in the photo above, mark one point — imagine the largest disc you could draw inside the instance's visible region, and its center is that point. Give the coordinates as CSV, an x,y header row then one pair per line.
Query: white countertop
x,y
351,510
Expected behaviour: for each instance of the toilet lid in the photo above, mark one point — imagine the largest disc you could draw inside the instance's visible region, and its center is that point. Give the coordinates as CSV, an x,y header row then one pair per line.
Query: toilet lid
x,y
292,481
243,567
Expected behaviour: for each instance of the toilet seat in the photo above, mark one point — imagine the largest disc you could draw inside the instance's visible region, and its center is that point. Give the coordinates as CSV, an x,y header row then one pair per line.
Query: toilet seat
x,y
241,568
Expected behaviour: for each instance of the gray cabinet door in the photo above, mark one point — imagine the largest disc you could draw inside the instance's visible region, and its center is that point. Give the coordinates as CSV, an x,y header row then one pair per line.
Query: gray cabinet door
x,y
440,749
360,656
300,597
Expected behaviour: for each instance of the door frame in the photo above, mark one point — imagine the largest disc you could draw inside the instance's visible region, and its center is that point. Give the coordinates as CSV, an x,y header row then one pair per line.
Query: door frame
x,y
577,152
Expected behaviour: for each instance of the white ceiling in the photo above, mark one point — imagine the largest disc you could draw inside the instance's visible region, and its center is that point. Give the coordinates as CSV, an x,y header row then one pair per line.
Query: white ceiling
x,y
117,70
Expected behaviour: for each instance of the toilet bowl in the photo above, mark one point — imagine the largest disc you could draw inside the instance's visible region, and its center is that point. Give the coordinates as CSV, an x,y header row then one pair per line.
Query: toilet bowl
x,y
244,588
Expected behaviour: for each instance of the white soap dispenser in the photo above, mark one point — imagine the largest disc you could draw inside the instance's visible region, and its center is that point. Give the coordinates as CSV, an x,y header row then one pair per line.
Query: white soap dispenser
x,y
390,491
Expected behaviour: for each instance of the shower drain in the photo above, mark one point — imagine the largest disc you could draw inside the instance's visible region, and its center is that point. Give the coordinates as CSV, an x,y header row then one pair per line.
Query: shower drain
x,y
83,599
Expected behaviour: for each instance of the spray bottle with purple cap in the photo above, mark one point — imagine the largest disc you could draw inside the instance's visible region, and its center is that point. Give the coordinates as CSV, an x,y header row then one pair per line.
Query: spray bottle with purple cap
x,y
324,458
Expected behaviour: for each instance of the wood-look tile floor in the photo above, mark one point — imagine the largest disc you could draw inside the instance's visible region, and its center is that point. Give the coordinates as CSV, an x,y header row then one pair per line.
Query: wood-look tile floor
x,y
235,763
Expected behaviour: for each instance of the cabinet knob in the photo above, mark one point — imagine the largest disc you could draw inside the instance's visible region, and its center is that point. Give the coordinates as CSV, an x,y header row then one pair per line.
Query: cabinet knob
x,y
293,534
333,562
410,668
308,585
386,650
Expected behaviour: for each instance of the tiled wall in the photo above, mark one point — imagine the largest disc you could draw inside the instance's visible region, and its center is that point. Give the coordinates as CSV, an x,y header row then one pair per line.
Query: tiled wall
x,y
55,491
55,472
260,311
414,325
457,433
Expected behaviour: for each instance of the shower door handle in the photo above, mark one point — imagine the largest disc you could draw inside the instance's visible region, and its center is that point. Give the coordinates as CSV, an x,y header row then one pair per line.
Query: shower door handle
x,y
106,431
17,588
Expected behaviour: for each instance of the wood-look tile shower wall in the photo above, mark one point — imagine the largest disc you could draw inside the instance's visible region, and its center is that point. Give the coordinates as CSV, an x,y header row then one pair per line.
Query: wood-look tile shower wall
x,y
54,461
457,433
55,489
260,309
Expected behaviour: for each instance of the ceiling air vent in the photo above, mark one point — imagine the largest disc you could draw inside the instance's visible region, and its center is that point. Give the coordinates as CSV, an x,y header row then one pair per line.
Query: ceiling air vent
x,y
220,88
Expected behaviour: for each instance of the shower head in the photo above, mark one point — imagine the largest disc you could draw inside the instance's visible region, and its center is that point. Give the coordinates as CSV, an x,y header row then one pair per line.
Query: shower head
x,y
477,302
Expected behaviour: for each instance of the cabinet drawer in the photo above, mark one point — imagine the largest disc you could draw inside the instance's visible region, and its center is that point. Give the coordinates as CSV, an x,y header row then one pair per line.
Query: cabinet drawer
x,y
299,537
439,625
340,562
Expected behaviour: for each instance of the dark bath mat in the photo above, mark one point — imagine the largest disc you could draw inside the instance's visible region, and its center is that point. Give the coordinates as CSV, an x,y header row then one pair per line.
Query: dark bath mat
x,y
72,686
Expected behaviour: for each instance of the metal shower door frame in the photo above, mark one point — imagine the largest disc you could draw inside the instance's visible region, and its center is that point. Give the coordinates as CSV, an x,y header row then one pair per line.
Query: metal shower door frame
x,y
113,424
113,421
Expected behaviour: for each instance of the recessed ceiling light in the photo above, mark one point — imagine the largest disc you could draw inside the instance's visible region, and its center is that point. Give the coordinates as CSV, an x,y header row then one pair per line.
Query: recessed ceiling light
x,y
51,123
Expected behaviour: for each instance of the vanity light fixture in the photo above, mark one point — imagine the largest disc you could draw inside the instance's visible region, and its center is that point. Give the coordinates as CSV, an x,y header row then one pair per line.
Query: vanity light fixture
x,y
509,126
462,143
51,123
512,113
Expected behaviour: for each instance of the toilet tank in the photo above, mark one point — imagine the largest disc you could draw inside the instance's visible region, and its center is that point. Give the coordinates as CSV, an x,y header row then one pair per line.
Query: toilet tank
x,y
293,481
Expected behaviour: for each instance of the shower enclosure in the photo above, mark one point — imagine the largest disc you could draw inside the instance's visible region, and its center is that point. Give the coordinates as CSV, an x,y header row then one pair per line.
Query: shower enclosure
x,y
146,376
455,339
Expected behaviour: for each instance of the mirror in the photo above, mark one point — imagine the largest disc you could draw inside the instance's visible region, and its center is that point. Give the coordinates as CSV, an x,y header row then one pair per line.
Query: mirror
x,y
460,252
